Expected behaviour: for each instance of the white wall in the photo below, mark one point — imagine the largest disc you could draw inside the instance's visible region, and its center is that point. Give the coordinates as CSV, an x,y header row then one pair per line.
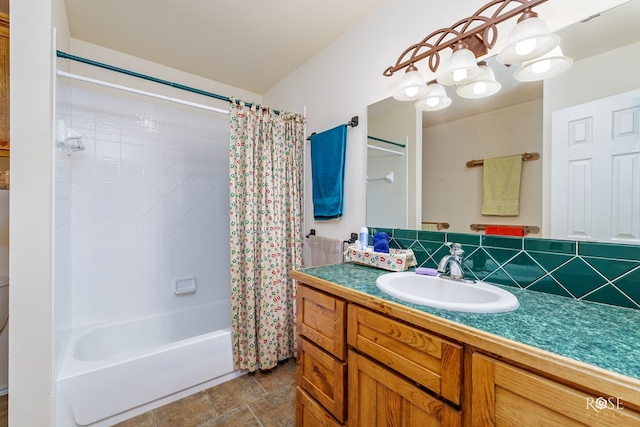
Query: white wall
x,y
31,302
453,193
343,79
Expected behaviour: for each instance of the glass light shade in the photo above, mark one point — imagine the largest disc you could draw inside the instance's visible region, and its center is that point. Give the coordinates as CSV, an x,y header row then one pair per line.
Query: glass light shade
x,y
483,86
529,40
436,100
460,68
411,86
549,65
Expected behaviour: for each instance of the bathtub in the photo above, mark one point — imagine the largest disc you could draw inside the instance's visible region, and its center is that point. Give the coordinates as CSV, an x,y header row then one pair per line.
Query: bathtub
x,y
114,371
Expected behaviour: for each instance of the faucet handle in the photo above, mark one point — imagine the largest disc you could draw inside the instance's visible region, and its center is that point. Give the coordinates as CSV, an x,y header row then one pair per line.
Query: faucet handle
x,y
455,249
453,246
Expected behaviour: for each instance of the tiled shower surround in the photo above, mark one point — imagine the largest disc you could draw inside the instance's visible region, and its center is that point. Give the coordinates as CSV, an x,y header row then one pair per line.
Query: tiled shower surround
x,y
144,204
598,272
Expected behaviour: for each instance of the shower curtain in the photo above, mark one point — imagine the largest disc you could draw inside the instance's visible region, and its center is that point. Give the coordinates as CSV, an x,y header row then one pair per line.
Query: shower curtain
x,y
266,207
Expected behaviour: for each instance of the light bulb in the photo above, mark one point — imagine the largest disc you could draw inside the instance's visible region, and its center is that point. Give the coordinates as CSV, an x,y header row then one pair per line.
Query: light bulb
x,y
479,88
526,46
433,101
459,75
541,66
411,91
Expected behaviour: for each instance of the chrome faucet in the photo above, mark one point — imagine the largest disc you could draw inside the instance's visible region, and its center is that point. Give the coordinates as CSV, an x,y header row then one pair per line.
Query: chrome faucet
x,y
450,266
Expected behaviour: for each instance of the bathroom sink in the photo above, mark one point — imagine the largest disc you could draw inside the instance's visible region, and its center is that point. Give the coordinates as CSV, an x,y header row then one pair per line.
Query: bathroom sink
x,y
434,291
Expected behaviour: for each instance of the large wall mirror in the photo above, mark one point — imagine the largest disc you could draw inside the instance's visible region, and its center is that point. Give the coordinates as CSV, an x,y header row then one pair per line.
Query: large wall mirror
x,y
519,119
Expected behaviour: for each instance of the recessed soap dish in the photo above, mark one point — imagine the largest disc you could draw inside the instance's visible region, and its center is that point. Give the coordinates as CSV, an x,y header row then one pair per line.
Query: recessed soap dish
x,y
184,285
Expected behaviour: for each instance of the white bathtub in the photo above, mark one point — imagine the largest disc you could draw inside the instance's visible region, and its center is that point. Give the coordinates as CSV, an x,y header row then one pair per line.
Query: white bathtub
x,y
115,371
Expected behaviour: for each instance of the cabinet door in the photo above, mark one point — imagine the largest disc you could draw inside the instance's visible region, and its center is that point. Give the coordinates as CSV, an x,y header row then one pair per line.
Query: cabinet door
x,y
504,395
423,357
379,397
322,319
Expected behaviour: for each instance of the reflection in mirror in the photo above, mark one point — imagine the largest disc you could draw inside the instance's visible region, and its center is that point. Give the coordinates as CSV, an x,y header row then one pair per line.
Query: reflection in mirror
x,y
518,120
391,164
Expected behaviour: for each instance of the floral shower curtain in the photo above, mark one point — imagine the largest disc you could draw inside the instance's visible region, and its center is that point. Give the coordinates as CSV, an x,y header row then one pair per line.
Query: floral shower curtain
x,y
266,207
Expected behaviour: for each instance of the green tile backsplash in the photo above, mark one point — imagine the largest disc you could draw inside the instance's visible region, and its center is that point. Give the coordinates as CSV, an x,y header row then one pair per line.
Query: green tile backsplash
x,y
598,272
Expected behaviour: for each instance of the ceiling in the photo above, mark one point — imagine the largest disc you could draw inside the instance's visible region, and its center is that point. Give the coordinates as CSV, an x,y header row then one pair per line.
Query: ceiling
x,y
248,44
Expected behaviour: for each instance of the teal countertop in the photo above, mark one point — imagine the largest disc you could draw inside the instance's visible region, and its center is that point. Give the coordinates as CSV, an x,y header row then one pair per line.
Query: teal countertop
x,y
601,335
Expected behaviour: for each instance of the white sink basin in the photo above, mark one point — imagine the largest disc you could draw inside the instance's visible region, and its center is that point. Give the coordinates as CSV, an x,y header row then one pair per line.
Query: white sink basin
x,y
432,291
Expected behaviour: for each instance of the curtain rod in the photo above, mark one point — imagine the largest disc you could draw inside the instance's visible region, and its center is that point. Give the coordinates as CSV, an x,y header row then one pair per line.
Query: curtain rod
x,y
139,92
65,55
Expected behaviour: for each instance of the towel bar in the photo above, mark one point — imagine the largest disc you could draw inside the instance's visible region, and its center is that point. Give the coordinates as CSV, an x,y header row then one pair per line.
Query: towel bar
x,y
439,225
525,158
353,123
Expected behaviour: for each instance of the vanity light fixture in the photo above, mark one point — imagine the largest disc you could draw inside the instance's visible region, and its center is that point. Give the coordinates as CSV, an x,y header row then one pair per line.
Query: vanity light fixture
x,y
461,66
529,40
436,100
482,87
412,85
471,38
549,65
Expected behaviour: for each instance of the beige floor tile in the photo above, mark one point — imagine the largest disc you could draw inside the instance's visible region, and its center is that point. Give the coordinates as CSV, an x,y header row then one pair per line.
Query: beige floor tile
x,y
282,375
192,411
239,417
230,395
277,409
142,420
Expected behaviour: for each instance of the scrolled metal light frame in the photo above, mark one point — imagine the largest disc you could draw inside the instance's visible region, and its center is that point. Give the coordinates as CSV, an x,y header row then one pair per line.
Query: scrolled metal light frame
x,y
478,31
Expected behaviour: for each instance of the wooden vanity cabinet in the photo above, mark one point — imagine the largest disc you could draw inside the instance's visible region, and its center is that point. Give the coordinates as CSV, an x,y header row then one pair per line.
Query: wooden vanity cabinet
x,y
505,395
321,369
399,371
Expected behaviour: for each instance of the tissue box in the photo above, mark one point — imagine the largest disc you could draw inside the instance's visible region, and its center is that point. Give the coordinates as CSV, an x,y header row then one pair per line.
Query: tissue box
x,y
395,260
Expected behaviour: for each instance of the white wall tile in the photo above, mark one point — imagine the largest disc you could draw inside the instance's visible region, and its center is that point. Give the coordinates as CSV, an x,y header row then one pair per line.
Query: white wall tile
x,y
141,206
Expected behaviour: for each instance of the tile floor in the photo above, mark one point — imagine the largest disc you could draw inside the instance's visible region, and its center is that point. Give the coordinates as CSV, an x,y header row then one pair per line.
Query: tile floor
x,y
262,399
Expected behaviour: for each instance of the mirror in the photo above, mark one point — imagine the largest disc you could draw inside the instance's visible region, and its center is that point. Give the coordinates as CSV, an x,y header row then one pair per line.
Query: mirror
x,y
514,121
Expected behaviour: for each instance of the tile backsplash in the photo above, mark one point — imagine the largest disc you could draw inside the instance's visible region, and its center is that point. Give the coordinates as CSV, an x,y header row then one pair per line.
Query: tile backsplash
x,y
598,272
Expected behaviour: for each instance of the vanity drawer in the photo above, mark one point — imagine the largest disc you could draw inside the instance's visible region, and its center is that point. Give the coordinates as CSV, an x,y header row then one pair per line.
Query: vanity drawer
x,y
322,319
323,377
310,414
426,359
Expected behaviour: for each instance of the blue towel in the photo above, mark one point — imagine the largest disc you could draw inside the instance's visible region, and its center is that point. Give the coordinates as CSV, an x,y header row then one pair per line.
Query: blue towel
x,y
381,242
327,172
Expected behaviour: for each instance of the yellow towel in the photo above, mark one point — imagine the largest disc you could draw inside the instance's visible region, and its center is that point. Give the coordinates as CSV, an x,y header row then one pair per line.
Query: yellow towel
x,y
501,186
429,227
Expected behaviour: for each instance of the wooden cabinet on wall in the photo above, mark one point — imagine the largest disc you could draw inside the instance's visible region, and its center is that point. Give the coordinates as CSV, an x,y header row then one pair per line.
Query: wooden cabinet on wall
x,y
4,85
